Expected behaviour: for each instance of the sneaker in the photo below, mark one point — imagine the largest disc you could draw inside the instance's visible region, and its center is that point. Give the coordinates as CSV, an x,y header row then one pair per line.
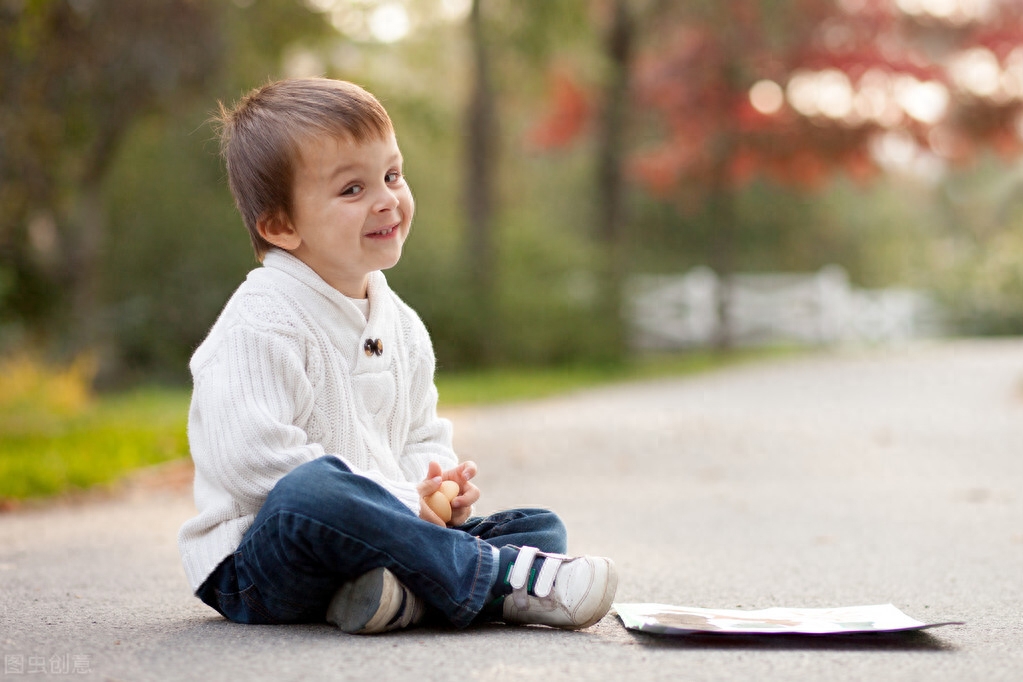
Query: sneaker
x,y
558,590
374,602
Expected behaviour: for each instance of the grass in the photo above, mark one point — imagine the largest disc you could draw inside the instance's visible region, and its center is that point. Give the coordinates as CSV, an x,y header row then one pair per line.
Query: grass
x,y
508,384
48,448
43,454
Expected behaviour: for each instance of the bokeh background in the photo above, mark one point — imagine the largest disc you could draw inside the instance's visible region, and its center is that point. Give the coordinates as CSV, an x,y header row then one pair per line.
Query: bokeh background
x,y
558,152
555,148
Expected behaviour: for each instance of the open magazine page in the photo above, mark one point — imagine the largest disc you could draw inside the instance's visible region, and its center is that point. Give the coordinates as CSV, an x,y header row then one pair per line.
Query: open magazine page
x,y
667,619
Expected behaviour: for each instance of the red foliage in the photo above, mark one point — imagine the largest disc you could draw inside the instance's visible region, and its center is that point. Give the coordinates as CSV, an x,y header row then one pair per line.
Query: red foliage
x,y
690,89
568,114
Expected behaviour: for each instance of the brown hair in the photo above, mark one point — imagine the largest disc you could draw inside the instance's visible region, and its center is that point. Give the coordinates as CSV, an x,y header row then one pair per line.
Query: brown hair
x,y
260,138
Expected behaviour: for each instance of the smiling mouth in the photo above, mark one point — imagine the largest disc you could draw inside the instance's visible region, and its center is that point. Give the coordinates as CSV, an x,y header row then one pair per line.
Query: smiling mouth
x,y
384,232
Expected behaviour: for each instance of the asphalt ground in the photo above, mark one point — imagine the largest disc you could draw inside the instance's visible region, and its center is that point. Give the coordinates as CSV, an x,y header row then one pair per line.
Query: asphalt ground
x,y
847,478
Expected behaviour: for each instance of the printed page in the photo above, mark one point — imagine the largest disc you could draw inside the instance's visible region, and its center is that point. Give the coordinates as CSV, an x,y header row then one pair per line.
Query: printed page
x,y
667,619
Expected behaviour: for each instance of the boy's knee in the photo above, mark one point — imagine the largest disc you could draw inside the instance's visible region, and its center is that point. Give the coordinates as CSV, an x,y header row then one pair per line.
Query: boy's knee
x,y
547,530
309,484
557,533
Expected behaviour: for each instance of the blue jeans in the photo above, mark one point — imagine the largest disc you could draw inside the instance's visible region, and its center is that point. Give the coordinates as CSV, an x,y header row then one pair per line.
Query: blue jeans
x,y
322,526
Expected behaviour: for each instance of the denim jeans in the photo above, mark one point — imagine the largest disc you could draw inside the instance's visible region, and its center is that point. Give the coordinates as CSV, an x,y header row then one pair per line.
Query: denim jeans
x,y
322,526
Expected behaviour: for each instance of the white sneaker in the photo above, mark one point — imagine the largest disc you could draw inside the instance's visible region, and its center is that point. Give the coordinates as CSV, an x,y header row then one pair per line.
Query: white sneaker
x,y
374,602
567,592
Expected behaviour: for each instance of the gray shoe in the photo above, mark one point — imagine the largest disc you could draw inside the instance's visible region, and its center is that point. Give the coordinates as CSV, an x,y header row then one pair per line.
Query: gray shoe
x,y
374,602
566,592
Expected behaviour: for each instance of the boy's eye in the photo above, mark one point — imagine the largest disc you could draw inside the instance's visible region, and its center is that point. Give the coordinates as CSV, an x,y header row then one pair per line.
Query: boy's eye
x,y
393,176
351,191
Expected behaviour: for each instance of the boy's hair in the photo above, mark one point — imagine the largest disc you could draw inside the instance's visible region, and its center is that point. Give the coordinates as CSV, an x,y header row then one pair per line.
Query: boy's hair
x,y
260,138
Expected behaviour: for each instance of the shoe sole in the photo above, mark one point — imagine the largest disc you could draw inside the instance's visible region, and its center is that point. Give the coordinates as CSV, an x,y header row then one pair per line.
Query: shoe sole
x,y
366,605
597,611
610,587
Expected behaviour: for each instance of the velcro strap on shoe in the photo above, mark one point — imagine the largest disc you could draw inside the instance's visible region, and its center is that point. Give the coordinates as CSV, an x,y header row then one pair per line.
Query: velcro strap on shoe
x,y
520,570
549,569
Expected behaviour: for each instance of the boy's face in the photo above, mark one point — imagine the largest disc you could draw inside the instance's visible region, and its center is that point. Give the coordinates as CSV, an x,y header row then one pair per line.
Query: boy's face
x,y
351,210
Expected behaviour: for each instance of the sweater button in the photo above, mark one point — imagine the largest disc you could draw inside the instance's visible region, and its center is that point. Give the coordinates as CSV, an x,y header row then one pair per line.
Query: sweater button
x,y
373,347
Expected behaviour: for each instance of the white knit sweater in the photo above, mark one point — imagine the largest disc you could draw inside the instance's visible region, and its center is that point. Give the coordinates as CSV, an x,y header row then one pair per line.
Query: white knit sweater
x,y
283,378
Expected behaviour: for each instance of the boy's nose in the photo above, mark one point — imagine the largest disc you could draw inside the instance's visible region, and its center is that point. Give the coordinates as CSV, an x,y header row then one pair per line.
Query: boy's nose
x,y
387,200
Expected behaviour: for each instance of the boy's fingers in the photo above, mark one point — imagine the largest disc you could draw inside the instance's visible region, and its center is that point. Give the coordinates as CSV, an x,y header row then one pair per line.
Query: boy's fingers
x,y
467,498
468,471
427,514
433,480
429,486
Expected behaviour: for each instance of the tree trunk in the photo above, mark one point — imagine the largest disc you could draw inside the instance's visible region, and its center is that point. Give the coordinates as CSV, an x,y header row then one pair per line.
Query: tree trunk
x,y
722,195
722,216
481,163
81,276
610,219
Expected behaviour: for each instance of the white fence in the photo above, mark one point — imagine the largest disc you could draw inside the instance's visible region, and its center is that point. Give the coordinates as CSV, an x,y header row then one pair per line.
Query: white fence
x,y
822,308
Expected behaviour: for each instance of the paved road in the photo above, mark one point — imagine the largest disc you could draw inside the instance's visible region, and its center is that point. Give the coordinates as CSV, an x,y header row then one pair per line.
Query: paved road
x,y
844,479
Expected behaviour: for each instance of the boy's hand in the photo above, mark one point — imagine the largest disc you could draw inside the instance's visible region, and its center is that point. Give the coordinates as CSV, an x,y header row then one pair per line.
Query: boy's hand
x,y
429,486
468,494
461,505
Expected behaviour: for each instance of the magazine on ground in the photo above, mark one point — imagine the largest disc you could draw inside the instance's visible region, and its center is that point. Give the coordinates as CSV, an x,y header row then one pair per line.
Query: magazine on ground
x,y
665,619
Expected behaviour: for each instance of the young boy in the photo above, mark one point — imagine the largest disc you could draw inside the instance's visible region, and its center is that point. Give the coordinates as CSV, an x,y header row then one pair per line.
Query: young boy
x,y
313,422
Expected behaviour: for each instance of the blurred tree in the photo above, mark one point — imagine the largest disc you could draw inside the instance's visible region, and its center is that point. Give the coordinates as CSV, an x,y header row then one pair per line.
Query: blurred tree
x,y
113,205
75,76
795,90
175,247
610,190
503,36
481,162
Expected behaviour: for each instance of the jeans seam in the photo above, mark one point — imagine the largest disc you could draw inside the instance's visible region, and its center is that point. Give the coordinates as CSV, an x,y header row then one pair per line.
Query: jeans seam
x,y
465,609
243,595
255,604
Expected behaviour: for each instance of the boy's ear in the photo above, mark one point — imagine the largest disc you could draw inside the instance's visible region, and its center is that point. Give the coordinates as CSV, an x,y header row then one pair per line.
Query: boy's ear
x,y
276,228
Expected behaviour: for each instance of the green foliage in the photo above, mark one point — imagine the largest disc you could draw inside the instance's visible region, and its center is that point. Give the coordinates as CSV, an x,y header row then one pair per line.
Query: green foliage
x,y
98,447
980,251
537,31
75,76
56,436
34,395
175,247
984,294
883,234
172,247
256,36
547,291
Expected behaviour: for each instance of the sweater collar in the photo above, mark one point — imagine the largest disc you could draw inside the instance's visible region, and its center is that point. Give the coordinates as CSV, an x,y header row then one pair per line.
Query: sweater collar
x,y
279,259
